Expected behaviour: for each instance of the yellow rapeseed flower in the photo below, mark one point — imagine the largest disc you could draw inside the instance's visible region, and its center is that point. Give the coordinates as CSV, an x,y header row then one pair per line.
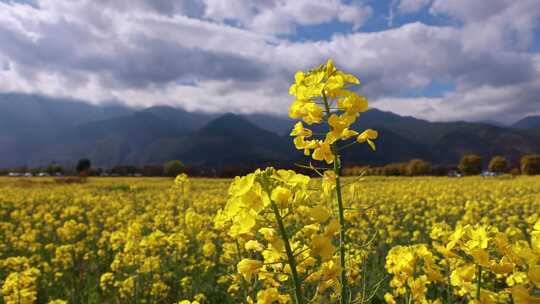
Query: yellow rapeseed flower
x,y
248,268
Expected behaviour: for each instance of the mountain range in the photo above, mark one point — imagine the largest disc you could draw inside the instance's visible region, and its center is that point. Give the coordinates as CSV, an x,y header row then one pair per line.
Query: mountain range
x,y
529,122
37,130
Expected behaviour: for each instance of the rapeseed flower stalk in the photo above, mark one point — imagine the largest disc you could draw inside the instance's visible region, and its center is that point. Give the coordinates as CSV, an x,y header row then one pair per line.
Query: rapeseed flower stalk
x,y
323,97
265,197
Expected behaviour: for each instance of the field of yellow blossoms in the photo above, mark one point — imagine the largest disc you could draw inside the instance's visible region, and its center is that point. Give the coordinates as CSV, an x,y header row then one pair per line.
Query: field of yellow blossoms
x,y
151,240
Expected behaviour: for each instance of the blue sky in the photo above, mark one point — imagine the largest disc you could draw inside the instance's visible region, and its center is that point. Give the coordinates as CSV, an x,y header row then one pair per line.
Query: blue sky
x,y
433,59
535,45
378,21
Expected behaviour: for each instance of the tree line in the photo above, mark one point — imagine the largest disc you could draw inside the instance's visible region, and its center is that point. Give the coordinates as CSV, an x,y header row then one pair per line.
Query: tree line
x,y
84,167
470,164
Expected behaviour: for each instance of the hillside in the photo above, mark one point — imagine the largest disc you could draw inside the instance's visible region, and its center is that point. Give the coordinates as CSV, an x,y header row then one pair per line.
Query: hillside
x,y
529,122
65,131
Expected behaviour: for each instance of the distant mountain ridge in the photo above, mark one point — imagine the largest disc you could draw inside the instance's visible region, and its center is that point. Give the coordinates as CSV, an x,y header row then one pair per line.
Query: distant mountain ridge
x,y
529,122
36,131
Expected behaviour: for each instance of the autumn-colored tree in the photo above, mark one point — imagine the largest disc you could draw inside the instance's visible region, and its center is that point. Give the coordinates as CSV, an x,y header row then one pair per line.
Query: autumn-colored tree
x,y
470,164
530,164
417,167
498,164
395,169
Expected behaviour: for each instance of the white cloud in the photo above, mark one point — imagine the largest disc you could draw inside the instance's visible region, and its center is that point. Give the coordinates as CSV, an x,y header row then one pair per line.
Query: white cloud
x,y
145,54
467,10
505,104
503,24
356,14
220,10
282,17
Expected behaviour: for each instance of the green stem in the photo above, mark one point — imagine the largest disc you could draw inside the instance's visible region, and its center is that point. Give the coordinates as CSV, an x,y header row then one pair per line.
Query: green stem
x,y
341,214
448,284
243,282
290,256
342,231
478,281
347,145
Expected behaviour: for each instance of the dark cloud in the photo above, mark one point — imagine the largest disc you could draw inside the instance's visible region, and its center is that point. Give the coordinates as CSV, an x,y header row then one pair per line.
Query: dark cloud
x,y
191,8
140,62
161,62
29,2
496,69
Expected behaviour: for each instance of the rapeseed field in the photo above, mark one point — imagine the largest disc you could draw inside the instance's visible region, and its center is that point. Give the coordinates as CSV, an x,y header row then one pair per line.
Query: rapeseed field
x,y
149,240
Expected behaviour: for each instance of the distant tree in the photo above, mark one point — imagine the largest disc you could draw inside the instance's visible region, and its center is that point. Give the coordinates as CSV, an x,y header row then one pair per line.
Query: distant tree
x,y
470,164
95,171
54,168
349,171
498,164
124,170
36,170
356,170
173,168
442,170
395,169
231,171
417,167
152,170
198,171
83,166
376,171
530,164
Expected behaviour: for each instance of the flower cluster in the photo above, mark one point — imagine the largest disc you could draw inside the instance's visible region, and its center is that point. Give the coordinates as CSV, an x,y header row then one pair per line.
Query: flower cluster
x,y
481,264
323,95
283,237
20,287
414,269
